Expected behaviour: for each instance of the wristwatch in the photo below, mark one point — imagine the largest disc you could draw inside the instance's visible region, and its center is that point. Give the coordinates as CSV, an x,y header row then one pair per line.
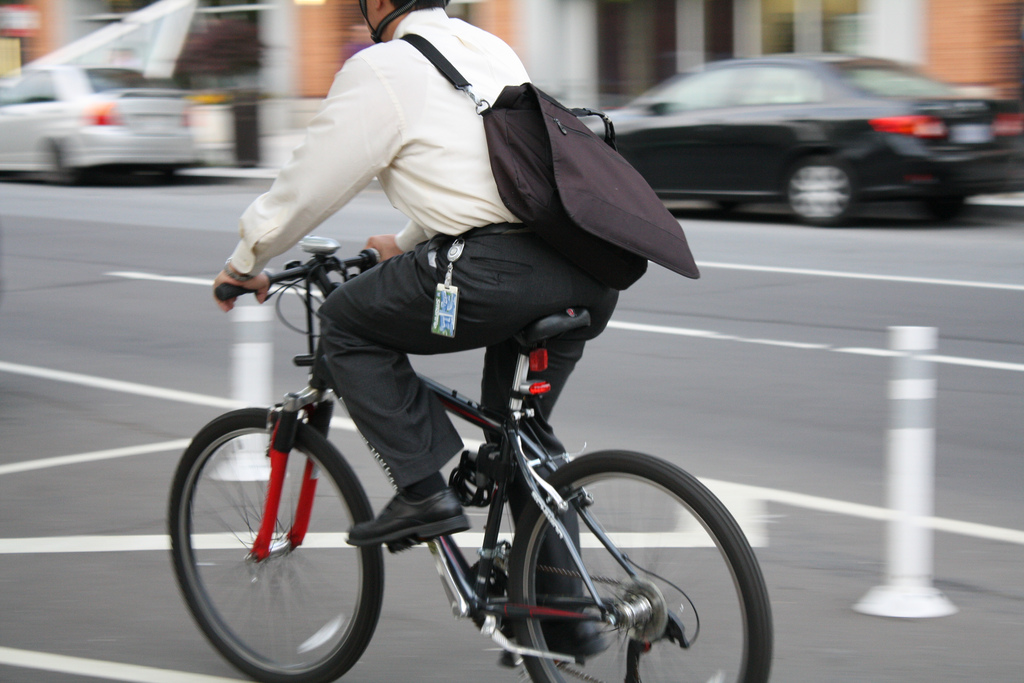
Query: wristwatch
x,y
234,274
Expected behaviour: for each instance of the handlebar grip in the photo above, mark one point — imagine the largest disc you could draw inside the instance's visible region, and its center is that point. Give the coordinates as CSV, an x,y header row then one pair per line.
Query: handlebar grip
x,y
226,291
370,256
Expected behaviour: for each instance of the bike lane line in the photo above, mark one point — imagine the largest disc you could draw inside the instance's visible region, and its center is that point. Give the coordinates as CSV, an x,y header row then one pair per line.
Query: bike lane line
x,y
862,276
96,668
811,272
108,454
718,336
804,346
785,497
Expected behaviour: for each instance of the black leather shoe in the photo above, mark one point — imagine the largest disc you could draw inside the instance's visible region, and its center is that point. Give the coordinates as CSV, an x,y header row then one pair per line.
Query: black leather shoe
x,y
404,518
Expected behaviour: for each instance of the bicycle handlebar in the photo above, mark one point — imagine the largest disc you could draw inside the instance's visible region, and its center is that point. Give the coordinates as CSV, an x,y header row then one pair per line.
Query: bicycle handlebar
x,y
367,258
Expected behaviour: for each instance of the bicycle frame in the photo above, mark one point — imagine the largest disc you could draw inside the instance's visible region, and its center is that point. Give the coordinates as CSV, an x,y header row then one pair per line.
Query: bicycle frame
x,y
517,452
532,587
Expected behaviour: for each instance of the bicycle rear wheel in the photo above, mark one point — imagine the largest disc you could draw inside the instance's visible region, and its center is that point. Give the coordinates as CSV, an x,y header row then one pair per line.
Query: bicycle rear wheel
x,y
302,614
696,579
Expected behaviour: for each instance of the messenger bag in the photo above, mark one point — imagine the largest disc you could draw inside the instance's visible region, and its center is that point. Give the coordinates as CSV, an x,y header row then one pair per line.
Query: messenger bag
x,y
570,186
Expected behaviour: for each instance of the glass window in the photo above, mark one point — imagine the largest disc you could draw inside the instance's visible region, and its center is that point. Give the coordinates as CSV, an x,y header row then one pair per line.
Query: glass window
x,y
890,82
36,87
706,90
6,94
779,85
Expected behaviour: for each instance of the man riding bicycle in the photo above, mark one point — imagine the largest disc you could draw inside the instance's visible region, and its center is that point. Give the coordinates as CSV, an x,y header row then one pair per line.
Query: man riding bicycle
x,y
391,115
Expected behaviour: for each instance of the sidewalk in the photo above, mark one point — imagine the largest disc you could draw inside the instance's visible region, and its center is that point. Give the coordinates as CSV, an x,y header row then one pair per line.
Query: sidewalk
x,y
276,150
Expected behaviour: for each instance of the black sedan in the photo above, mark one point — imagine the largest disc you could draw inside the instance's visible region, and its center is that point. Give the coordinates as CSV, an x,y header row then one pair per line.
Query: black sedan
x,y
823,134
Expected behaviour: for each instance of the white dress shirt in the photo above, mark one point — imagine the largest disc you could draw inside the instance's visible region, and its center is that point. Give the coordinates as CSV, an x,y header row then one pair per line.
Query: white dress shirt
x,y
392,115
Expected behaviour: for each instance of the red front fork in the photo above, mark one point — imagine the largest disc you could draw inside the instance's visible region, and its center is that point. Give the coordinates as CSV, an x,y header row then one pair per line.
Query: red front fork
x,y
305,506
281,440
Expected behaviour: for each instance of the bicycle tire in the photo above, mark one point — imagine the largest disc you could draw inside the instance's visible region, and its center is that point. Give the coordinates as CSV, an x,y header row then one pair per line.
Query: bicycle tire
x,y
299,616
655,513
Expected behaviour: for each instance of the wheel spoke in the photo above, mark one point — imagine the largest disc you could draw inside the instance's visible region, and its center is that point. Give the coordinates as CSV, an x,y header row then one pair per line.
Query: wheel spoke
x,y
299,614
695,576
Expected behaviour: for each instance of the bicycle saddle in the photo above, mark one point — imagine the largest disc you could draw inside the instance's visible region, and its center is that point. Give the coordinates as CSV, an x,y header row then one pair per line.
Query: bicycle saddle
x,y
553,325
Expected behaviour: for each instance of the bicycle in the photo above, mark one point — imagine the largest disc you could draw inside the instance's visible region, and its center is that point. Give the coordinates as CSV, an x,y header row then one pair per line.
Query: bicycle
x,y
261,501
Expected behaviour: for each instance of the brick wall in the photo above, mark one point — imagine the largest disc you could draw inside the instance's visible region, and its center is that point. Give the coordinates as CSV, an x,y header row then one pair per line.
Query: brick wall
x,y
498,17
976,42
330,32
320,33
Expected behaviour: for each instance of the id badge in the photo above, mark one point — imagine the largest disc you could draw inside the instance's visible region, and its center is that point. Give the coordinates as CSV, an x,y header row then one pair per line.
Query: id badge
x,y
446,306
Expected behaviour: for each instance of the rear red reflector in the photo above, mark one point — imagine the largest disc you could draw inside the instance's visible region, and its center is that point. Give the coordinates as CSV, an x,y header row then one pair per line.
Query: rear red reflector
x,y
103,114
918,126
538,360
1008,124
540,388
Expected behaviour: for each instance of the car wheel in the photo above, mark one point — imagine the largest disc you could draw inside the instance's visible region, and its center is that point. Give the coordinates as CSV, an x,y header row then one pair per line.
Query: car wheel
x,y
59,173
820,191
944,208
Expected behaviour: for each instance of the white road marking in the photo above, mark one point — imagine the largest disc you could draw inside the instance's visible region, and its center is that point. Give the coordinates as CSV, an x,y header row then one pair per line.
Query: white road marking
x,y
111,671
803,500
140,390
881,353
119,386
705,264
865,276
108,454
178,279
744,500
710,334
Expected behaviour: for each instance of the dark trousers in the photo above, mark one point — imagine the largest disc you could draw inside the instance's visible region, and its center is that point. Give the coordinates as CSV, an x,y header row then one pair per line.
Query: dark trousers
x,y
371,323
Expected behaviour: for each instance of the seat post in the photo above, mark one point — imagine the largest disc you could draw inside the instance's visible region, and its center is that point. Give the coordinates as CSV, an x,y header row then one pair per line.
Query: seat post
x,y
533,336
515,401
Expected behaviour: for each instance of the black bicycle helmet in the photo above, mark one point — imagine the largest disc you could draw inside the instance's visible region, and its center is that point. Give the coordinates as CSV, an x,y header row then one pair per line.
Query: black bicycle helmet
x,y
377,33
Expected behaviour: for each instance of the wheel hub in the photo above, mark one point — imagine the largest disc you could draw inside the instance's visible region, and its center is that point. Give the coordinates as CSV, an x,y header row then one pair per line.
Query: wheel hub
x,y
820,191
641,611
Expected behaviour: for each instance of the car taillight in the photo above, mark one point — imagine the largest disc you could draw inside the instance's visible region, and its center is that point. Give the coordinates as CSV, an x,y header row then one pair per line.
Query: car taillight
x,y
1008,124
103,114
919,126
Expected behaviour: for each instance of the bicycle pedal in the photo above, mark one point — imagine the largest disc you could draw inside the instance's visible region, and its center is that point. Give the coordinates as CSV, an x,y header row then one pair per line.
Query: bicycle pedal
x,y
402,544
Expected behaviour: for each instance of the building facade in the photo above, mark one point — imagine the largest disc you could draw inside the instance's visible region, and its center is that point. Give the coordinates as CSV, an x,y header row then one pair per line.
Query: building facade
x,y
603,51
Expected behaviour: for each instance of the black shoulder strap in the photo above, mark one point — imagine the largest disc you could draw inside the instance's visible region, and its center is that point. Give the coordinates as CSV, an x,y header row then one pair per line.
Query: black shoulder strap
x,y
437,59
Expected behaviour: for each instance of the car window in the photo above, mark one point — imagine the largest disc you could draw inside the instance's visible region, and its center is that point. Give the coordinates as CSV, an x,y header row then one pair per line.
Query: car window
x,y
706,90
891,82
101,80
765,85
34,87
6,93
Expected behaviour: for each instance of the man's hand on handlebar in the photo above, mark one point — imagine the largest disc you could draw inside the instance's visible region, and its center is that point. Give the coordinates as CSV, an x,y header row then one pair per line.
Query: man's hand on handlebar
x,y
385,246
259,284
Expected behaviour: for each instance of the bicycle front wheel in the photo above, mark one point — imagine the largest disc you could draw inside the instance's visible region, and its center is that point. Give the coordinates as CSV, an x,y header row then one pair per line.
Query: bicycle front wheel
x,y
303,613
686,595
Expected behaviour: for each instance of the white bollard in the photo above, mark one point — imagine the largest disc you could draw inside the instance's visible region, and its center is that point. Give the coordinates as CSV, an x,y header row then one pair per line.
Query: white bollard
x,y
252,360
253,354
908,590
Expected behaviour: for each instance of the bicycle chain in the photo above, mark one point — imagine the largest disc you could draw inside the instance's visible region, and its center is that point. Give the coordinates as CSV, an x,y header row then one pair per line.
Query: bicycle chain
x,y
565,666
576,575
572,671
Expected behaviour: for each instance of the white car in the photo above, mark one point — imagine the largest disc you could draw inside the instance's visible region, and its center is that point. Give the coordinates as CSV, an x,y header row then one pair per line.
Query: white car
x,y
65,120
